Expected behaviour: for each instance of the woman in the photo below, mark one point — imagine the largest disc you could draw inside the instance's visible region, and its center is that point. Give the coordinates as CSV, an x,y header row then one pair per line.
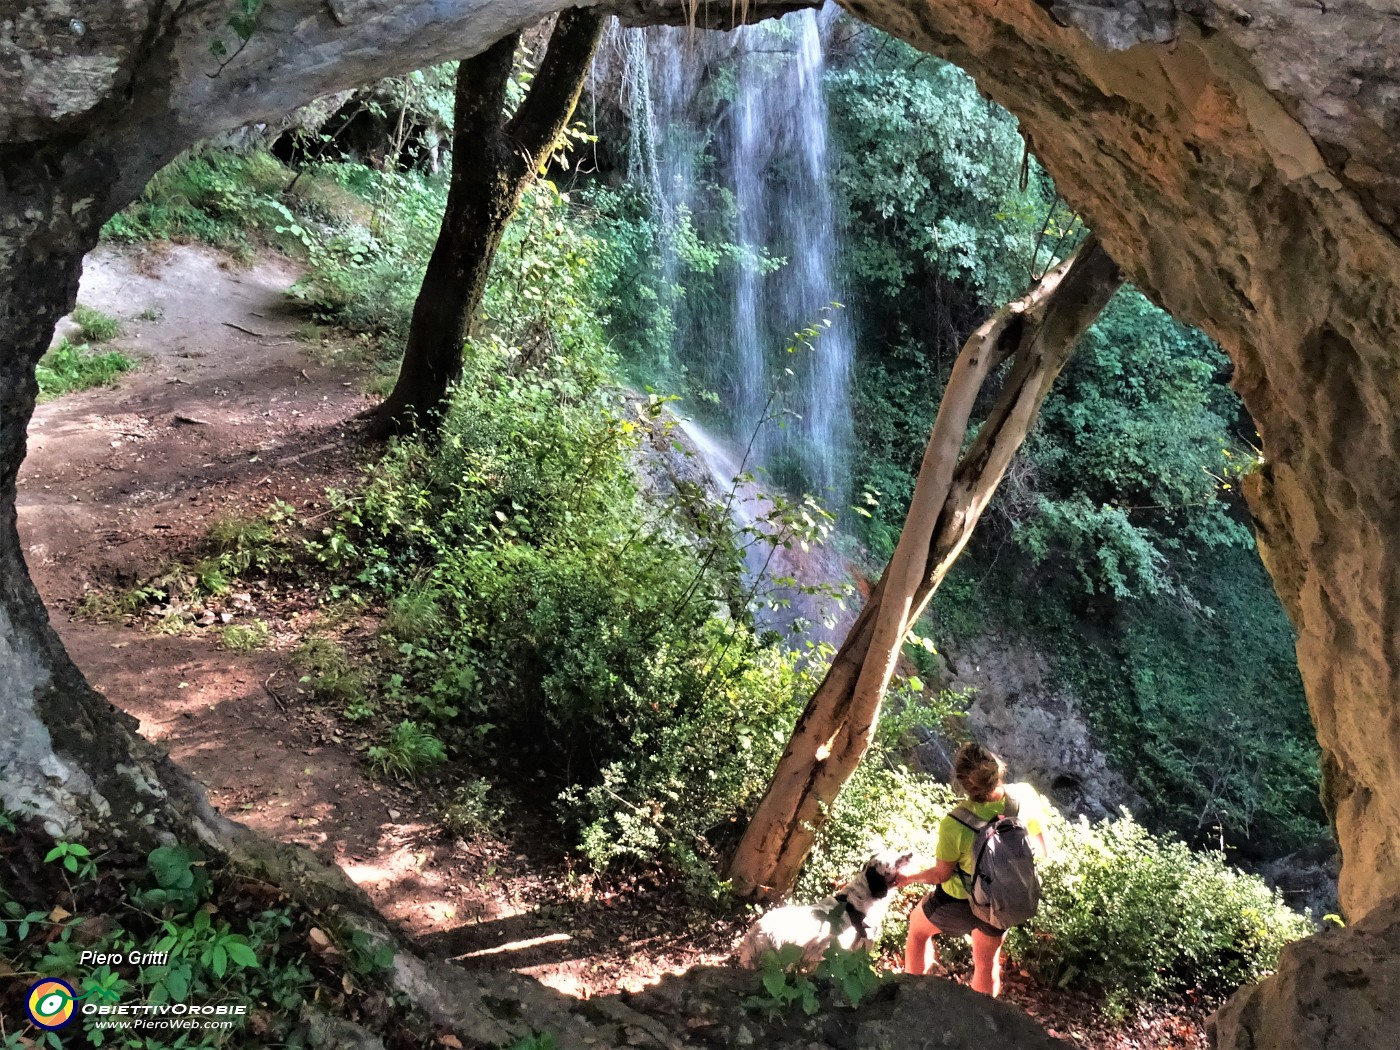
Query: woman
x,y
979,774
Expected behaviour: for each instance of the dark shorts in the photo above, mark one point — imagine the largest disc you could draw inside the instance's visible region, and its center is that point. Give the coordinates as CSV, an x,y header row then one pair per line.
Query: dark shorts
x,y
953,915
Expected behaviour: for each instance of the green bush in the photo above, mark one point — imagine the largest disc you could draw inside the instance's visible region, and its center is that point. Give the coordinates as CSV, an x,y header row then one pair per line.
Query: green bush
x,y
97,327
239,546
471,813
1134,917
328,673
66,369
366,276
409,751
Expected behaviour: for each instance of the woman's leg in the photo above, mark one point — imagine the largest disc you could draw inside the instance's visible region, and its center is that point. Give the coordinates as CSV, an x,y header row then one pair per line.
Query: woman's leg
x,y
919,956
986,963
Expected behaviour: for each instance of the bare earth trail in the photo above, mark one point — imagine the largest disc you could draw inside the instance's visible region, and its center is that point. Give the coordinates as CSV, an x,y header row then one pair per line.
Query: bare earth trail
x,y
226,413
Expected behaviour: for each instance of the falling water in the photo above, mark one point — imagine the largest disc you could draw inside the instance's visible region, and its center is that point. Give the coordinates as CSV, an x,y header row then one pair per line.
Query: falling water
x,y
768,148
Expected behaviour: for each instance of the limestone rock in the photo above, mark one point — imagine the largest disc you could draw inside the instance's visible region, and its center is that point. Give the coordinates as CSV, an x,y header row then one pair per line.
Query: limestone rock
x,y
1335,991
1037,726
908,1013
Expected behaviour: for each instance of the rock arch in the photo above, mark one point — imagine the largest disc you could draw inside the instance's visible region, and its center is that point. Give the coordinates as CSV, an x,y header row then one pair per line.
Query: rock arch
x,y
1238,158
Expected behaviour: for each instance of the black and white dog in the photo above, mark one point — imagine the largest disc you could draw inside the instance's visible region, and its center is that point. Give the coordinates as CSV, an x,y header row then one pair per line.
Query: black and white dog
x,y
851,917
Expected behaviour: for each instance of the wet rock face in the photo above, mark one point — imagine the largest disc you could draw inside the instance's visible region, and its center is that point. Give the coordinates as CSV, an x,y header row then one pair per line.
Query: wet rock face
x,y
1033,722
1245,174
1037,727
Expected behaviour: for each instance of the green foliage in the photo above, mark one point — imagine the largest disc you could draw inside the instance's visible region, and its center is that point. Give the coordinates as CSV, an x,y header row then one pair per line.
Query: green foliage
x,y
181,880
929,171
853,974
241,23
784,983
229,954
74,857
846,977
218,197
409,752
413,613
538,1041
327,671
239,546
245,638
1133,466
67,369
1134,918
472,813
365,276
97,327
103,604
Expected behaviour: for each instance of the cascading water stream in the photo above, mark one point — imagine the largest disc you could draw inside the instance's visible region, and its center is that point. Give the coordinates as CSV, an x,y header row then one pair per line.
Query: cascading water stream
x,y
766,146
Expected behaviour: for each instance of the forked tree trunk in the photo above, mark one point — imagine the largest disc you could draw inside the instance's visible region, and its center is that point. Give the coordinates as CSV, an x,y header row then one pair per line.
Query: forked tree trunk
x,y
493,161
1037,332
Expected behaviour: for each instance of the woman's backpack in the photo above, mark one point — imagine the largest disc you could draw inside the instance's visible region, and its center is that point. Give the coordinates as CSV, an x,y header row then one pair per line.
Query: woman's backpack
x,y
1003,889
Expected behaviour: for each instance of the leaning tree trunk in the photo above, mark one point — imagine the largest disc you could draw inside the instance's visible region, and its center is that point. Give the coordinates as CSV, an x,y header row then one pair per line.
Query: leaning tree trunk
x,y
493,161
1037,332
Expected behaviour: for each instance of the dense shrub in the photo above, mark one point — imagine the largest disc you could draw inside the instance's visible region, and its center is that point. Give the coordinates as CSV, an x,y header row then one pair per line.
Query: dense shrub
x,y
1136,917
365,275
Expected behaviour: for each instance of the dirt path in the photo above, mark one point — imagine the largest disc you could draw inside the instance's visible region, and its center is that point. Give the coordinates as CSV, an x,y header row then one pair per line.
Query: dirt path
x,y
227,413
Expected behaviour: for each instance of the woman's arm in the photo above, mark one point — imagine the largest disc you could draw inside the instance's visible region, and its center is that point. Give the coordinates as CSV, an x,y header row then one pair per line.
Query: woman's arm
x,y
934,876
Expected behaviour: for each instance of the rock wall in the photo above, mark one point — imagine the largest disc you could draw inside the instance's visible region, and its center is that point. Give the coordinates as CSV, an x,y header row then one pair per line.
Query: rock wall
x,y
1038,727
1240,161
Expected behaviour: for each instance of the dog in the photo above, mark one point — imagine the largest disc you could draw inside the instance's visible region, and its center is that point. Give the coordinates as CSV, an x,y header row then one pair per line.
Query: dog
x,y
851,917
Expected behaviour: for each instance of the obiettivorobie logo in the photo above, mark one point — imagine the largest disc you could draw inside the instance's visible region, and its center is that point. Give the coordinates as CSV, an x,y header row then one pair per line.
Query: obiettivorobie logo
x,y
51,1003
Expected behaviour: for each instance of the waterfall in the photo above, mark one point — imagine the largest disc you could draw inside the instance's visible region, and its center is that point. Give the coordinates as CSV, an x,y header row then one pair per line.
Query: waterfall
x,y
745,110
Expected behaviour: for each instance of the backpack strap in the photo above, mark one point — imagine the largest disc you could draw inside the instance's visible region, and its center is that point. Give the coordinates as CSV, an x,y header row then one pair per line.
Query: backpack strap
x,y
1012,809
969,819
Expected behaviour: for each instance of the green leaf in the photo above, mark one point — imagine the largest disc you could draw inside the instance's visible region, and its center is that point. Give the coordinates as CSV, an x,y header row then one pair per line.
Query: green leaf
x,y
177,980
240,954
172,867
219,963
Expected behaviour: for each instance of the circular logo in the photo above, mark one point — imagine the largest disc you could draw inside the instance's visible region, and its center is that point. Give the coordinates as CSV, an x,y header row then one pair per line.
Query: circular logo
x,y
50,1003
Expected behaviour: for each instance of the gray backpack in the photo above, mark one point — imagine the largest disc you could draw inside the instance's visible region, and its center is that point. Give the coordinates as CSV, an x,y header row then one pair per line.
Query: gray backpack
x,y
1003,888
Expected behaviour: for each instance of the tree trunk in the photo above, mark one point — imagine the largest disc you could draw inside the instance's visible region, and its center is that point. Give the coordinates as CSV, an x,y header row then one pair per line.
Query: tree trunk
x,y
493,161
1038,332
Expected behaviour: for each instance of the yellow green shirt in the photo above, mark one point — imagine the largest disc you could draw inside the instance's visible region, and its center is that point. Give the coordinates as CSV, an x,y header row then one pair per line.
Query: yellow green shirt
x,y
955,840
